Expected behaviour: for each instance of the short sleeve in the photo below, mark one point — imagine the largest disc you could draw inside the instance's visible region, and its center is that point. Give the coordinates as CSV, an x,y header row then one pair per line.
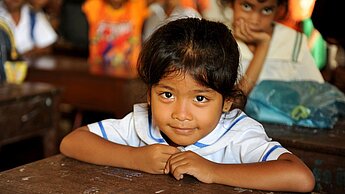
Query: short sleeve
x,y
119,131
251,143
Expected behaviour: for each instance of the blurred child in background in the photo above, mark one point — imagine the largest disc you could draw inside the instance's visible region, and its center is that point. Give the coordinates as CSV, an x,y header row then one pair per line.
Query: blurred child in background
x,y
32,31
270,51
162,11
299,19
115,28
199,5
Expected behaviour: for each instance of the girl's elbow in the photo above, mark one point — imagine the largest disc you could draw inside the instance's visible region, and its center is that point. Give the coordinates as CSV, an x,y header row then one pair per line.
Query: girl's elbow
x,y
309,184
306,182
66,145
63,147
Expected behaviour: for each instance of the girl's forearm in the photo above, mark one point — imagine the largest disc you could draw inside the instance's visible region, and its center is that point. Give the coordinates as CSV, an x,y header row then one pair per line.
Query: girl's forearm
x,y
88,147
279,175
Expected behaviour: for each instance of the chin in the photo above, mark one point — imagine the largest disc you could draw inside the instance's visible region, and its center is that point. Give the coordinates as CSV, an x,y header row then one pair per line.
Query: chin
x,y
184,143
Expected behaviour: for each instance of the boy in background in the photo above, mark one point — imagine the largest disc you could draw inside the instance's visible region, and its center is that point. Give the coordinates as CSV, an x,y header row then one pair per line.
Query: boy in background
x,y
115,28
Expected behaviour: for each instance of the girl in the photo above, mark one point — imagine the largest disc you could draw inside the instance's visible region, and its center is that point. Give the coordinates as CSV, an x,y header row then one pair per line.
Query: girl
x,y
191,123
270,51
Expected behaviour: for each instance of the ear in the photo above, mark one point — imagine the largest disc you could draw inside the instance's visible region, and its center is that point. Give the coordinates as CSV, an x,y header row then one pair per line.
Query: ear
x,y
227,105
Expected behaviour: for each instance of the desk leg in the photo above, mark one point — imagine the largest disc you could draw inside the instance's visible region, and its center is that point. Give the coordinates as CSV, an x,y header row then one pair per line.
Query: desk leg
x,y
50,143
50,138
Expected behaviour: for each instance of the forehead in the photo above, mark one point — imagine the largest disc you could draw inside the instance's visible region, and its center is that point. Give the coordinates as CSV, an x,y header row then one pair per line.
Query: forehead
x,y
260,2
177,78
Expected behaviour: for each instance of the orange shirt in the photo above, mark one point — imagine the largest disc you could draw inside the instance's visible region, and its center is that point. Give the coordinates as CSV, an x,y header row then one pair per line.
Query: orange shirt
x,y
202,4
115,36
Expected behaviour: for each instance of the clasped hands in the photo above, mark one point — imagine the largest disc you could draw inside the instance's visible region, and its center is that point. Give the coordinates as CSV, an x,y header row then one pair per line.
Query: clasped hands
x,y
165,159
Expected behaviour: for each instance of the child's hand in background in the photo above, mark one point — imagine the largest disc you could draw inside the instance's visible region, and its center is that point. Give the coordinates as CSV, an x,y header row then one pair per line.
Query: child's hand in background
x,y
249,34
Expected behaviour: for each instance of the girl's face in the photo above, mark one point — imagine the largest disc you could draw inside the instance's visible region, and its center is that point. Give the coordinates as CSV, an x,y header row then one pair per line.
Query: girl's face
x,y
258,14
184,110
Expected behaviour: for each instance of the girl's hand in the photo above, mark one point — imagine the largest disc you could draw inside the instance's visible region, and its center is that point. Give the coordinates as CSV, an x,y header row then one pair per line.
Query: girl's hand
x,y
152,158
243,31
190,163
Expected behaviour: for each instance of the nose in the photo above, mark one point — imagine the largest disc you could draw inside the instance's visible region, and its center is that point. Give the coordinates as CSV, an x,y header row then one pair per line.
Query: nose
x,y
254,18
181,111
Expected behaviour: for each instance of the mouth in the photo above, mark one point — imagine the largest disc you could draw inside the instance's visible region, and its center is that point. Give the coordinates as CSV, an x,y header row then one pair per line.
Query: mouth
x,y
183,130
255,29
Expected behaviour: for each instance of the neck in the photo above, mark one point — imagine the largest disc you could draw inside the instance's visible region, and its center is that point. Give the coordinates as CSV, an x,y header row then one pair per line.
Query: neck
x,y
15,16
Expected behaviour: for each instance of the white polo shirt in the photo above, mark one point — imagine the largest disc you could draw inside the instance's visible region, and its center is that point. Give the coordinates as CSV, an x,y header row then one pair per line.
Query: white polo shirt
x,y
288,57
44,34
236,139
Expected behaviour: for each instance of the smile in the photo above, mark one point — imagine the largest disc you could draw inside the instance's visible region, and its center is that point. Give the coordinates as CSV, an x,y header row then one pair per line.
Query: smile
x,y
183,131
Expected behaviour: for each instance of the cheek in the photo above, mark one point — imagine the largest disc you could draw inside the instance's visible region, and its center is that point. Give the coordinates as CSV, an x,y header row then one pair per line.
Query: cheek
x,y
267,24
210,119
160,113
238,15
209,122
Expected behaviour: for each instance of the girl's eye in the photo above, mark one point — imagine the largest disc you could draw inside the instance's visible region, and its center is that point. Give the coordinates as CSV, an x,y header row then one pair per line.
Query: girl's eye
x,y
200,99
267,11
167,95
246,7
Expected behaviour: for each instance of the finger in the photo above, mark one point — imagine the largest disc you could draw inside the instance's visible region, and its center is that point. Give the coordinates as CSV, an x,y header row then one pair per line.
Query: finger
x,y
179,169
168,163
245,29
172,159
242,31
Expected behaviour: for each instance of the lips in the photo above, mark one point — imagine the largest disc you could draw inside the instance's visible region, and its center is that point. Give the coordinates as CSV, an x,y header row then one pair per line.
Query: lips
x,y
183,130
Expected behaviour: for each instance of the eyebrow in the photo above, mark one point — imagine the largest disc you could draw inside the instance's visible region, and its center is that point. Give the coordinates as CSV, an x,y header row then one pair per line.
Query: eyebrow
x,y
270,7
164,86
262,3
206,90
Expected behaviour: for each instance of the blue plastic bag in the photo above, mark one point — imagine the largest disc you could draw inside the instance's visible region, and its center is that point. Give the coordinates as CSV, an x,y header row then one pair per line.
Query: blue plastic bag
x,y
300,103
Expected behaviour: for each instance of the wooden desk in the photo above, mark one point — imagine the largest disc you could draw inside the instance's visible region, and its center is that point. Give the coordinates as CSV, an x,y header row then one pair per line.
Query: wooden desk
x,y
28,110
59,174
323,150
85,90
